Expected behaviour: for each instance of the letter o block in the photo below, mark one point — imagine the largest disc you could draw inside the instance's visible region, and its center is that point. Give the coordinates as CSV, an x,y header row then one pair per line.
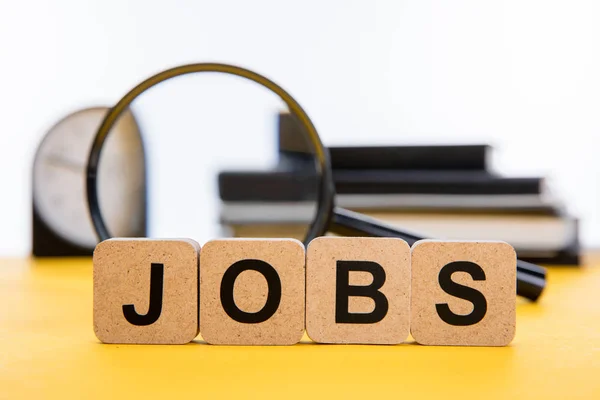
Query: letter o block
x,y
463,293
146,291
358,290
252,291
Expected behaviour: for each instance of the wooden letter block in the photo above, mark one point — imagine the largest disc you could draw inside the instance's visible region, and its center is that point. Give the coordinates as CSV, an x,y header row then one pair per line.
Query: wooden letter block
x,y
146,291
358,290
252,291
463,293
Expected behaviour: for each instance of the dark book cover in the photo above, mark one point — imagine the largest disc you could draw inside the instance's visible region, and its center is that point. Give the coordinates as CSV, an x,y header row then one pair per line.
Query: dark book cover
x,y
566,257
424,157
298,185
570,255
432,182
274,186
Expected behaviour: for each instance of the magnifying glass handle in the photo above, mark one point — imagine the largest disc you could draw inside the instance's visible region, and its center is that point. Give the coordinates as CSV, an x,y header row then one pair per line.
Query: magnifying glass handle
x,y
531,278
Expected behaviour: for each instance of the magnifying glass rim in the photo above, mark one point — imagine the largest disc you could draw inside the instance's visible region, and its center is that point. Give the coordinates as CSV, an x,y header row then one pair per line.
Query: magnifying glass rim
x,y
326,191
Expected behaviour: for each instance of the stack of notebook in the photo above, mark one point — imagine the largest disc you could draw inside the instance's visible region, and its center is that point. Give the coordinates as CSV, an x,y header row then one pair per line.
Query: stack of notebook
x,y
441,192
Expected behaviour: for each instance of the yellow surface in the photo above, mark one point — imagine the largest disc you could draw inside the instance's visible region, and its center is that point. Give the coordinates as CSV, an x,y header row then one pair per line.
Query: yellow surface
x,y
48,350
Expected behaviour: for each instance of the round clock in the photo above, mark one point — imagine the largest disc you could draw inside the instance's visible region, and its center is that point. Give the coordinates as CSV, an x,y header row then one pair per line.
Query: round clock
x,y
59,198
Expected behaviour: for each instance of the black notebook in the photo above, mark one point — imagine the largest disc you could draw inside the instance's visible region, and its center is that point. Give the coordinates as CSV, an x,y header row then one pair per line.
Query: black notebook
x,y
472,157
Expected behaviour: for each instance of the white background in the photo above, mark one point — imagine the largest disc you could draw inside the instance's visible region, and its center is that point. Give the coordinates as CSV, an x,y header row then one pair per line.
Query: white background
x,y
521,75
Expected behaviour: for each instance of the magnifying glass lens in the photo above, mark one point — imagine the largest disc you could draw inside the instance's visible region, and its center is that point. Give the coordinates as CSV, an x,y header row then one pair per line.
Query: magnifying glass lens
x,y
219,163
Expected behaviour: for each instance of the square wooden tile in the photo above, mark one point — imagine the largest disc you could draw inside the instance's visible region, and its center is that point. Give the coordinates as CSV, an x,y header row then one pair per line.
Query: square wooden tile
x,y
463,293
358,290
252,291
146,291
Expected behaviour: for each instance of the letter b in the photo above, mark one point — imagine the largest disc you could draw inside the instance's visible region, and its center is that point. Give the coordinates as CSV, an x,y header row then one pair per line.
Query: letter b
x,y
344,290
358,290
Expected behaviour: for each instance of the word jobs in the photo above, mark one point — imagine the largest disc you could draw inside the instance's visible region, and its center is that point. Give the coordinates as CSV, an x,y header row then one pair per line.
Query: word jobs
x,y
270,291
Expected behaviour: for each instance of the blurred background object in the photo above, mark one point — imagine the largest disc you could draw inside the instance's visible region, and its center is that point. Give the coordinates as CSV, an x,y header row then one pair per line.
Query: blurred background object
x,y
520,76
61,222
441,192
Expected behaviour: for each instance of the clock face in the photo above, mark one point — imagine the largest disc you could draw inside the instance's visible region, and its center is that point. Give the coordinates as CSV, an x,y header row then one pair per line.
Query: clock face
x,y
59,183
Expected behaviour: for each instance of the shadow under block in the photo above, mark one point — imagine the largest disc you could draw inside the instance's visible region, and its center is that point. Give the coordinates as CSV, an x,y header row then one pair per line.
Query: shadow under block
x,y
252,291
146,291
463,293
358,290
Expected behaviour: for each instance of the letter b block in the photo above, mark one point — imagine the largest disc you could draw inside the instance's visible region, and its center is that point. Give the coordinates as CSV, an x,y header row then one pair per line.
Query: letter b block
x,y
146,291
358,290
252,291
463,293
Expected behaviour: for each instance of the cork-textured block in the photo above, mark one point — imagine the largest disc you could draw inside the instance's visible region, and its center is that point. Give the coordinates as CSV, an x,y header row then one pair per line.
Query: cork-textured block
x,y
146,291
358,290
463,293
252,291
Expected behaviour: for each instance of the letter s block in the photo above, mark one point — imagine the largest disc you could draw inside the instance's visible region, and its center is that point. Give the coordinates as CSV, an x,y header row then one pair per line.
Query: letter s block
x,y
463,293
146,291
252,291
358,290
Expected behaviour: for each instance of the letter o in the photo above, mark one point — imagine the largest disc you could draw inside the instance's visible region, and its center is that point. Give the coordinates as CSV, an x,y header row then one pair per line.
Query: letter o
x,y
273,295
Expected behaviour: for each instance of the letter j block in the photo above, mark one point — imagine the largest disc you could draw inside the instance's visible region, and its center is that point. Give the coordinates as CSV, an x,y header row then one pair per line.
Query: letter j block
x,y
358,290
146,291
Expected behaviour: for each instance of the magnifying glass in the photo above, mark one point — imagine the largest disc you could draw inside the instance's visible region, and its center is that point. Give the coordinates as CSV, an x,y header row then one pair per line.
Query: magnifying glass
x,y
325,216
